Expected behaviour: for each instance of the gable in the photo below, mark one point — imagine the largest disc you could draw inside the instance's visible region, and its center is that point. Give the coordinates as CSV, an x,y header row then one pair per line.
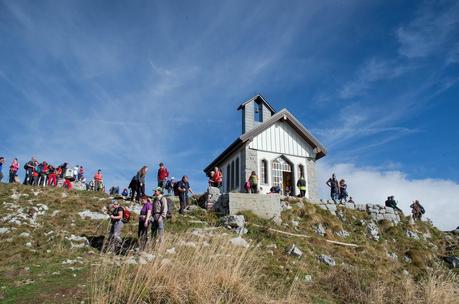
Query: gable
x,y
282,138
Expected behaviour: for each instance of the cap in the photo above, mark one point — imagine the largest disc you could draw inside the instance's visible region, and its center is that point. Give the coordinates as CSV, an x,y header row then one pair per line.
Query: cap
x,y
159,189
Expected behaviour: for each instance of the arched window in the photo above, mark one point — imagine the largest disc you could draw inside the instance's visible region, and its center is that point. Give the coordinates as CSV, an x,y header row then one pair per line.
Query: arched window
x,y
232,175
264,172
228,178
237,173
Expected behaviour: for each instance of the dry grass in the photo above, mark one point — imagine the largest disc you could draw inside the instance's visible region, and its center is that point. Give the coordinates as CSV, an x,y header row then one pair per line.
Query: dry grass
x,y
211,272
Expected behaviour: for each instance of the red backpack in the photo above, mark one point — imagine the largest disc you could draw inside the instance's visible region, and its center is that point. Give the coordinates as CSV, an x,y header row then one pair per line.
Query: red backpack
x,y
126,215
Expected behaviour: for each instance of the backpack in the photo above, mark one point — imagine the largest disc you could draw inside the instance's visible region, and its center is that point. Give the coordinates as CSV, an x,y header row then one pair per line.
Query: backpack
x,y
126,215
423,210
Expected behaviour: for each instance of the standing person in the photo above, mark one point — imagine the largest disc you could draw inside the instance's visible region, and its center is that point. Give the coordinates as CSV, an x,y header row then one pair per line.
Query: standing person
x,y
52,179
44,171
334,187
417,210
301,184
36,173
144,221
163,174
217,177
183,188
63,170
28,167
140,179
342,191
14,170
159,213
98,180
253,180
117,224
80,173
2,160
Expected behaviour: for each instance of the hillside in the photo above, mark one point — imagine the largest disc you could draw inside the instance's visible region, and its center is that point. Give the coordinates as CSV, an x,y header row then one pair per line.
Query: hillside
x,y
51,240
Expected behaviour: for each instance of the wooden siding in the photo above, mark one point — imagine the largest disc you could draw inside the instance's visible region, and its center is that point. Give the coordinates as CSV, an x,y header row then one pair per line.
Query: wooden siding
x,y
281,138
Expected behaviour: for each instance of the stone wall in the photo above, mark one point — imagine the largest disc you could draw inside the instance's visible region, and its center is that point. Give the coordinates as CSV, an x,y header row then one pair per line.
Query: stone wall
x,y
377,212
312,180
264,206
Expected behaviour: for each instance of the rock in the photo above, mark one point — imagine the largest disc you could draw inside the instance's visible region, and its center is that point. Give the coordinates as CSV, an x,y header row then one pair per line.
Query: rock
x,y
233,221
412,234
328,260
295,223
213,193
28,244
361,207
239,242
130,261
171,250
373,231
300,205
407,259
93,215
241,230
343,233
319,229
295,251
271,246
192,208
349,205
24,234
453,262
4,230
331,207
392,256
405,272
307,278
456,231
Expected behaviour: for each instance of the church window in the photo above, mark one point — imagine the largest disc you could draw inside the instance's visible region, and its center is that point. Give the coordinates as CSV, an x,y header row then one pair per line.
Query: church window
x,y
237,173
264,171
258,111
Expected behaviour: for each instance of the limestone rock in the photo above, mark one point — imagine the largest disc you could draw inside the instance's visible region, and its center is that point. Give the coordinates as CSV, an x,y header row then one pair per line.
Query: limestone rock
x,y
239,242
392,256
412,234
328,260
295,251
373,231
319,229
233,221
453,262
343,233
307,278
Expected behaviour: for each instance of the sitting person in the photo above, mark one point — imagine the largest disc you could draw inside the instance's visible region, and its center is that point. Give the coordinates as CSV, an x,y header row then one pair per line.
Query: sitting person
x,y
275,189
125,192
390,202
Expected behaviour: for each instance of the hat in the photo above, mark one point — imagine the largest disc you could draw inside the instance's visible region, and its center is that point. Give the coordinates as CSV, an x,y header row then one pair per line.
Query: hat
x,y
159,189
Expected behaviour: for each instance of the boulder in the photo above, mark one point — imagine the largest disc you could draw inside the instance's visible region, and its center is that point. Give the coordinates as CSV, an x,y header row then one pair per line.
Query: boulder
x,y
319,229
233,221
213,193
328,260
239,242
349,205
412,234
343,233
453,262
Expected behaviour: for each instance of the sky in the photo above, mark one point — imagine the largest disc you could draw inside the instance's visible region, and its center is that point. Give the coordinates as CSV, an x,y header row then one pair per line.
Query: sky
x,y
115,85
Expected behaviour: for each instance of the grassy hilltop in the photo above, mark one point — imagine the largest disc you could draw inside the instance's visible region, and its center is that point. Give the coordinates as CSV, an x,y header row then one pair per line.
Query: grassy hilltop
x,y
50,254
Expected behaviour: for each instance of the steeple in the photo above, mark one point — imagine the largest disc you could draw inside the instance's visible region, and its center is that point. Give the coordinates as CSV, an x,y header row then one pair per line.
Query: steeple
x,y
255,111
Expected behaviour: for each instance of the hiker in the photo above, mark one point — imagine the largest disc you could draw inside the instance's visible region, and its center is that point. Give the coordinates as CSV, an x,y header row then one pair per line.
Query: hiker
x,y
170,185
183,188
390,202
14,170
274,190
140,183
98,180
43,176
144,221
52,178
114,190
117,223
253,180
211,179
125,192
67,184
217,178
417,210
159,213
2,160
342,191
163,174
36,173
301,184
334,187
28,167
80,173
351,201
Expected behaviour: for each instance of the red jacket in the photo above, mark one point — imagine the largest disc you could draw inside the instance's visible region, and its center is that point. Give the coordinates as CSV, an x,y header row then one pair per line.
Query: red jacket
x,y
163,174
217,177
98,177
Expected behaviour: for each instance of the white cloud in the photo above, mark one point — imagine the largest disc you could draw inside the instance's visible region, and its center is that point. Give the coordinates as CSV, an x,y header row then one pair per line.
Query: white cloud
x,y
373,185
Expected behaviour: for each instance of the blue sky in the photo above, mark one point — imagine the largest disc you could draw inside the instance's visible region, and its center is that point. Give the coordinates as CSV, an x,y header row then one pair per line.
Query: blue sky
x,y
116,85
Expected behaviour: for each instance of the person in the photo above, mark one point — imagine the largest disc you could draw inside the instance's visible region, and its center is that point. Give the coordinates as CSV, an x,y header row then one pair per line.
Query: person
x,y
116,219
275,189
144,221
14,170
159,213
75,172
351,201
253,180
170,186
301,184
417,210
114,190
52,178
390,202
217,177
140,182
28,167
183,188
43,176
98,180
63,170
163,174
80,173
125,192
67,184
2,160
36,173
334,188
342,191
211,179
